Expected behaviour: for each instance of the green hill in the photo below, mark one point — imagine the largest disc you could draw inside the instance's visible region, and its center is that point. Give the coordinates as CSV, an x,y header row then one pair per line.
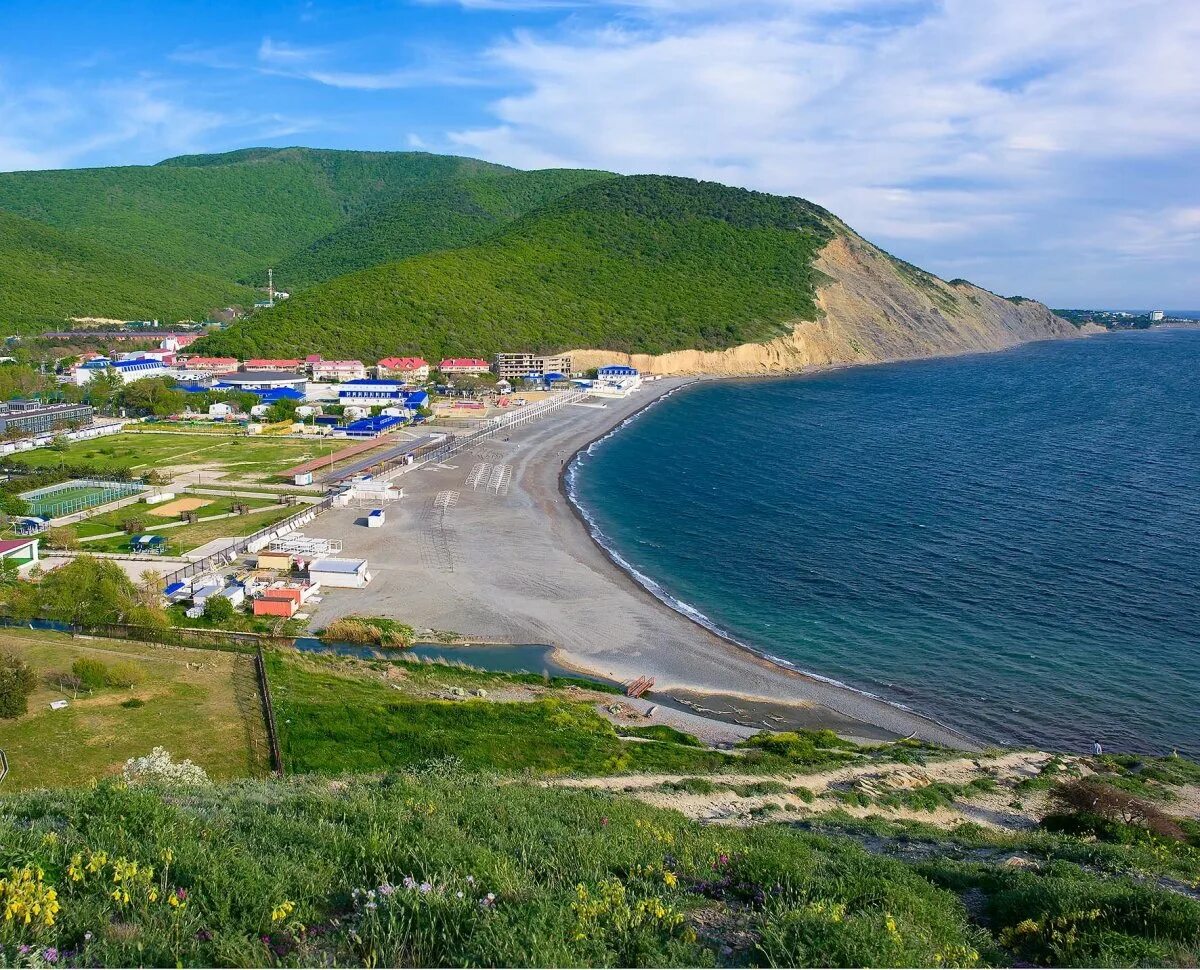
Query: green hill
x,y
445,215
642,263
49,275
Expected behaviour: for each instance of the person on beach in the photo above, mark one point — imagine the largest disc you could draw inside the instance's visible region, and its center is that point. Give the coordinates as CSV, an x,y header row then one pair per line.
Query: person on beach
x,y
1097,749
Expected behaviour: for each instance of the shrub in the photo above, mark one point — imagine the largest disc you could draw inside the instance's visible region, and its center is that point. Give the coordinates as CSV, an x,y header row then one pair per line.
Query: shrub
x,y
158,768
93,673
218,609
369,629
17,681
1090,797
133,702
125,673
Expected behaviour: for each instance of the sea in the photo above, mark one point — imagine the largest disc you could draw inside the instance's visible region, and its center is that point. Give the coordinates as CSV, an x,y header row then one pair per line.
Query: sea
x,y
1007,542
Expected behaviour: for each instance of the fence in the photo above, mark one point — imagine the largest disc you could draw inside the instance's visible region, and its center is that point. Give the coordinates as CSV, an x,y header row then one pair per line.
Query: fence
x,y
3,765
264,690
226,640
227,554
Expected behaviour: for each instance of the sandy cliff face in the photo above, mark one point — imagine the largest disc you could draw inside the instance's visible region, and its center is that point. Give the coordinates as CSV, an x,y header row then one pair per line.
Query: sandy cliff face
x,y
874,309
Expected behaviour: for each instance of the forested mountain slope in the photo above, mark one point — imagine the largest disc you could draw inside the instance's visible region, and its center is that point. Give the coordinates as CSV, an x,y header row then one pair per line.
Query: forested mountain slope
x,y
648,263
47,275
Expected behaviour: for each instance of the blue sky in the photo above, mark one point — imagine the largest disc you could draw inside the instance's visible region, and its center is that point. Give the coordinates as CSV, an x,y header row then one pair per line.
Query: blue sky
x,y
1042,147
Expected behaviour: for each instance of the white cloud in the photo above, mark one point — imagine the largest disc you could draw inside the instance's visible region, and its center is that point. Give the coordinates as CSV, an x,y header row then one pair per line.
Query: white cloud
x,y
952,125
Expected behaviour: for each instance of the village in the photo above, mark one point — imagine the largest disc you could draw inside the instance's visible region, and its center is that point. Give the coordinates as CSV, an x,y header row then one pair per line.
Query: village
x,y
212,505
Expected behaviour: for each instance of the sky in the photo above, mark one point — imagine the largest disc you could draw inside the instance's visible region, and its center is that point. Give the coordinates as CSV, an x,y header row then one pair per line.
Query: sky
x,y
1047,148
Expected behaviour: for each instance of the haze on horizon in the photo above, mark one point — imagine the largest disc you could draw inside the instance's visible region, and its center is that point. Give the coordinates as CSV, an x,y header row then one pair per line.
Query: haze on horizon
x,y
1048,150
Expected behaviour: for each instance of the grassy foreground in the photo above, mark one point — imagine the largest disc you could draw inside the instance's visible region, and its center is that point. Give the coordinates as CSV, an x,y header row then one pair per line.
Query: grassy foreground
x,y
444,869
202,704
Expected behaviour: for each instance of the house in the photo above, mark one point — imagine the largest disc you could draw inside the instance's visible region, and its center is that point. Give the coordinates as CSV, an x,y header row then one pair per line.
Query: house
x,y
210,365
340,573
337,370
406,368
464,365
222,410
23,552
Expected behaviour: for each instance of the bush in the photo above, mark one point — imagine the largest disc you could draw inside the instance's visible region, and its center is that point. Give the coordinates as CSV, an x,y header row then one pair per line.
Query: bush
x,y
159,767
369,629
125,673
218,609
1090,797
93,673
17,681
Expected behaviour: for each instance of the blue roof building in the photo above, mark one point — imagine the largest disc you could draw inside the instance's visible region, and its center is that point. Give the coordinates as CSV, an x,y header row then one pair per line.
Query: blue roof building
x,y
616,370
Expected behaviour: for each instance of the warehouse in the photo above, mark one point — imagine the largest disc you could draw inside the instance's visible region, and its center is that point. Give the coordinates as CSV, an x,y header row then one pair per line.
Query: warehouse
x,y
32,417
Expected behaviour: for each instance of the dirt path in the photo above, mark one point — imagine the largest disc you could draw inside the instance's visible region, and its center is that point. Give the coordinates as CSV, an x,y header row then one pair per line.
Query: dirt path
x,y
816,792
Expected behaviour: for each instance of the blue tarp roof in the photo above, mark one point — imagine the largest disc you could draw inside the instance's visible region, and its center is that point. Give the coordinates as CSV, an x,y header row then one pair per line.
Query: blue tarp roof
x,y
174,588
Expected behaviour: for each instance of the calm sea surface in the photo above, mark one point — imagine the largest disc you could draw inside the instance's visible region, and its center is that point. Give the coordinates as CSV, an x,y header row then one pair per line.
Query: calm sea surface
x,y
1007,542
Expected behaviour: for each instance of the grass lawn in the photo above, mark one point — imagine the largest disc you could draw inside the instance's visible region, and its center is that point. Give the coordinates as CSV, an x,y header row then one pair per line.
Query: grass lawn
x,y
188,537
240,456
198,704
338,717
115,521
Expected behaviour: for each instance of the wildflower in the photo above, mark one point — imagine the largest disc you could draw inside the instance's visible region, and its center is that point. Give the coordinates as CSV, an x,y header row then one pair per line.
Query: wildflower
x,y
152,894
167,857
87,936
604,822
459,894
282,911
410,882
426,887
670,879
470,880
386,889
488,901
50,838
181,894
50,955
75,867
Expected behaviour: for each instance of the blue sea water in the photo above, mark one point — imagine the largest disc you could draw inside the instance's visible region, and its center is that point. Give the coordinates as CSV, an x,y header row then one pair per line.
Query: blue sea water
x,y
1007,542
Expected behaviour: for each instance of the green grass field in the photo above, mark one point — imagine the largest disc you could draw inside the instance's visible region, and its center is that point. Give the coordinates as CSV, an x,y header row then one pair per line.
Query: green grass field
x,y
115,521
241,457
200,704
188,537
337,716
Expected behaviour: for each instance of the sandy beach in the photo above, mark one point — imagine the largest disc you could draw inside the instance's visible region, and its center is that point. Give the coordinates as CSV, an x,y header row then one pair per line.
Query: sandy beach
x,y
519,566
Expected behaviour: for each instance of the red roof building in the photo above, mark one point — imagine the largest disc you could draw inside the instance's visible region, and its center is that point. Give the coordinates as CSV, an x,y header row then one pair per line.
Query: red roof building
x,y
409,368
464,365
271,363
211,365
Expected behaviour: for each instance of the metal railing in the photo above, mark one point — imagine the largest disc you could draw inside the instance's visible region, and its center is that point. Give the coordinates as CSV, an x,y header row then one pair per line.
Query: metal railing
x,y
268,713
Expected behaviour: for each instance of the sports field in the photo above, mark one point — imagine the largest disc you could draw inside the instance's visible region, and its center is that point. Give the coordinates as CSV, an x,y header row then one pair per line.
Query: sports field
x,y
239,456
198,704
153,516
185,538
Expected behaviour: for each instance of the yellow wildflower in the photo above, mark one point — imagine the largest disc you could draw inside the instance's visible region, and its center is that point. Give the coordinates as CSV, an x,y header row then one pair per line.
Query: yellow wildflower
x,y
670,879
282,911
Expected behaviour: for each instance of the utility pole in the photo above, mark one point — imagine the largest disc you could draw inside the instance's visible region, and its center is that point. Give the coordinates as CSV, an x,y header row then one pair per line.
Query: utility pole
x,y
271,286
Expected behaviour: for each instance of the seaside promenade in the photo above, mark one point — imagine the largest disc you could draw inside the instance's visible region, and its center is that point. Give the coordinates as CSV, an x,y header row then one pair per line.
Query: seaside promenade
x,y
486,544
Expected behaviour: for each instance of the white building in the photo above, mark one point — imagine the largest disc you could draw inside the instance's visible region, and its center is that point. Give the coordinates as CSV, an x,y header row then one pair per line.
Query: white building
x,y
127,370
221,409
338,370
616,380
340,573
1156,315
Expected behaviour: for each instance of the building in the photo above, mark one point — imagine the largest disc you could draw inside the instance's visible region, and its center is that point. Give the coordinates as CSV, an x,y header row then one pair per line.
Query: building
x,y
340,573
536,366
406,368
127,370
274,363
464,365
277,601
23,552
210,365
616,380
371,392
221,410
337,370
264,382
175,342
32,417
1156,315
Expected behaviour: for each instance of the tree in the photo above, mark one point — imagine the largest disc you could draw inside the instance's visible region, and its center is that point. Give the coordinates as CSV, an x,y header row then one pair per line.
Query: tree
x,y
61,537
16,684
103,388
89,591
218,609
157,396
